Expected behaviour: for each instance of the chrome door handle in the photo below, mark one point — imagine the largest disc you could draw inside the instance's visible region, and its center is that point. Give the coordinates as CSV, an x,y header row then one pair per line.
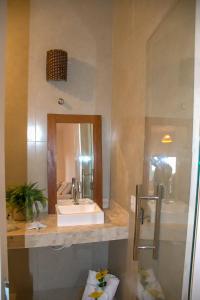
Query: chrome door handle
x,y
160,193
158,198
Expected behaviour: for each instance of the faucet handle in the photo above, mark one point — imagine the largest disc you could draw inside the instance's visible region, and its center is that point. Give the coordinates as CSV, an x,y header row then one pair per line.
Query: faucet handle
x,y
79,187
73,181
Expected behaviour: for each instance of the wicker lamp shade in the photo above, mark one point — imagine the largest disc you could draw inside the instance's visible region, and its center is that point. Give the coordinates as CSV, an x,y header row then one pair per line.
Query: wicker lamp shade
x,y
56,65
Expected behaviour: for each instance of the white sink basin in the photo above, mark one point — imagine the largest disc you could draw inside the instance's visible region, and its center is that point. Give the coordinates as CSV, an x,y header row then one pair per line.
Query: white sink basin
x,y
68,206
85,213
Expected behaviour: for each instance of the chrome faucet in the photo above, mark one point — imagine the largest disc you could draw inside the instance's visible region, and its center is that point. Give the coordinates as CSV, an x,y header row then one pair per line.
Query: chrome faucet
x,y
75,191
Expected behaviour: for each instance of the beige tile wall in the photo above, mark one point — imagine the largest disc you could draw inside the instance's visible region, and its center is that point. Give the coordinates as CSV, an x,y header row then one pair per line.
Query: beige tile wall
x,y
17,46
84,30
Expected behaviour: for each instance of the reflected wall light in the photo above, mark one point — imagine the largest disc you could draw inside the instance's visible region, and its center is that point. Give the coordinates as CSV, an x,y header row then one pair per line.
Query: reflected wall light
x,y
166,139
85,158
56,65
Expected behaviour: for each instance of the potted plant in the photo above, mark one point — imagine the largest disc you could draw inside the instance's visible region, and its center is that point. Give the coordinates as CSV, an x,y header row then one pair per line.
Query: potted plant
x,y
24,201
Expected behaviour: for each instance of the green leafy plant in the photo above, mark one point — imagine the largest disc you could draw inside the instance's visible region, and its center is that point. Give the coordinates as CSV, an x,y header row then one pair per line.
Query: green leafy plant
x,y
25,199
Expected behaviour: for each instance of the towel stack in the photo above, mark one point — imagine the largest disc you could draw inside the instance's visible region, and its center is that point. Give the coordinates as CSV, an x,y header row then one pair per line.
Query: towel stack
x,y
92,285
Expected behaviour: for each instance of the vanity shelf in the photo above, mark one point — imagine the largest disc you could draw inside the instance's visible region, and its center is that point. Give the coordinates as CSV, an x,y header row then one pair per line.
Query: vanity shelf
x,y
114,228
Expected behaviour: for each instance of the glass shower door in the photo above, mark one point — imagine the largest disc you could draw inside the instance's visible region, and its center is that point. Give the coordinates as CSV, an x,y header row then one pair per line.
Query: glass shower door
x,y
163,198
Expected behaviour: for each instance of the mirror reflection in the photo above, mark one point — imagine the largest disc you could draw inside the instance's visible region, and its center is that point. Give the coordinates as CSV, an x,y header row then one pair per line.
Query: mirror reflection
x,y
75,161
163,171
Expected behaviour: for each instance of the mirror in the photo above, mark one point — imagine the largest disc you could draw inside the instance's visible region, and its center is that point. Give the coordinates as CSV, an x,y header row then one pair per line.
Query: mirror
x,y
74,158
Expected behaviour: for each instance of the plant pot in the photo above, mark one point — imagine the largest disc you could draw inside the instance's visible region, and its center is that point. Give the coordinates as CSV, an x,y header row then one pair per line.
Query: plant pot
x,y
19,215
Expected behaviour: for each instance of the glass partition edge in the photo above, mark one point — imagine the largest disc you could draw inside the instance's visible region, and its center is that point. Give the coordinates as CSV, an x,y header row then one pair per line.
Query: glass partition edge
x,y
189,285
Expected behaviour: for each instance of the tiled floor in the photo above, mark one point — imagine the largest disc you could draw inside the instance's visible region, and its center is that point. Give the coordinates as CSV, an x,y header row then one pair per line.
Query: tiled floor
x,y
59,294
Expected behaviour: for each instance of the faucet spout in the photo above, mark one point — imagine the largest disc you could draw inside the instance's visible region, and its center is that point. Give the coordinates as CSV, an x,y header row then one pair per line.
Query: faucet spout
x,y
75,191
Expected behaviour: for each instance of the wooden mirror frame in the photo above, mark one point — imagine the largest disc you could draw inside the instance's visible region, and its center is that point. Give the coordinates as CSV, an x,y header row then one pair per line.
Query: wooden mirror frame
x,y
53,119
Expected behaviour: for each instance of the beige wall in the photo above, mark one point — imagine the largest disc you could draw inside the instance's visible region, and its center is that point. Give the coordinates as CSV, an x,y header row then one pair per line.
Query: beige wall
x,y
127,131
16,87
47,273
3,246
169,90
84,30
134,22
16,91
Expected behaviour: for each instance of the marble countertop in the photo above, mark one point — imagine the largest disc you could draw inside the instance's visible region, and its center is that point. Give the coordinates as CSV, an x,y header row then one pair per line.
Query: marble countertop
x,y
114,228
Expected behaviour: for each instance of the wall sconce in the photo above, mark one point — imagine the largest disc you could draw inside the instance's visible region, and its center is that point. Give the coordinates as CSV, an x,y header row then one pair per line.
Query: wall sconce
x,y
56,65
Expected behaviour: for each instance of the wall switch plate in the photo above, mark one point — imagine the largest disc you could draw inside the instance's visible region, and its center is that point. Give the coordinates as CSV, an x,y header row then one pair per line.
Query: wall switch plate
x,y
105,203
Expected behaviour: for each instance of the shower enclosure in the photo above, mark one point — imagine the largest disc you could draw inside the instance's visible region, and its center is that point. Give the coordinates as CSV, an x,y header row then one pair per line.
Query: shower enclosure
x,y
165,201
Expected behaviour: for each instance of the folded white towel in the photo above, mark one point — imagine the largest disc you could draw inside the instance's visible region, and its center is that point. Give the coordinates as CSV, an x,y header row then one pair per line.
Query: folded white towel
x,y
151,290
35,225
92,285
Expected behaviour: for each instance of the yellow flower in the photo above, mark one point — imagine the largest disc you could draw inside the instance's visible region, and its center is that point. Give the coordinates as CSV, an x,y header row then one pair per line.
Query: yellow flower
x,y
104,272
96,294
144,274
101,274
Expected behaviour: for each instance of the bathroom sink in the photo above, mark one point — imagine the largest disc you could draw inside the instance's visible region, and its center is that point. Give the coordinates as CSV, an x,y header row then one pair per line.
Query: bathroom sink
x,y
68,206
172,212
85,213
